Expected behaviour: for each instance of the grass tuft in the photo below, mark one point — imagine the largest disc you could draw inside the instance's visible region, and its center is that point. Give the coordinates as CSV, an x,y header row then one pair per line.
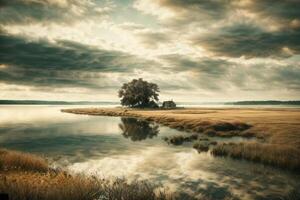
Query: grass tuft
x,y
180,139
14,160
201,146
24,176
271,154
35,186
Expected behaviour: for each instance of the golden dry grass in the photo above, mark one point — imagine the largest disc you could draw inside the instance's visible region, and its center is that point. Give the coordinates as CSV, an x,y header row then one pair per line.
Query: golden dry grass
x,y
272,154
279,128
24,176
14,160
61,186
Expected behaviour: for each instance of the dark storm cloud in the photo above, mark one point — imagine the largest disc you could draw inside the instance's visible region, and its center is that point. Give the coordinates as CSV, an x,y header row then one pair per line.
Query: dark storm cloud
x,y
288,75
209,66
280,9
30,11
194,9
209,73
220,74
249,41
194,12
211,8
264,77
63,63
235,28
206,10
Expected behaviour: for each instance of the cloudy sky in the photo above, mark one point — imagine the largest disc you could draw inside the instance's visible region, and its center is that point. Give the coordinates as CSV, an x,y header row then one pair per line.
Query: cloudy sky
x,y
195,50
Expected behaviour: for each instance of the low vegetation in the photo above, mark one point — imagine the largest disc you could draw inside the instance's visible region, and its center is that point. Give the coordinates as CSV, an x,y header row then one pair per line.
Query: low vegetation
x,y
210,128
201,146
24,176
277,130
13,160
276,155
180,139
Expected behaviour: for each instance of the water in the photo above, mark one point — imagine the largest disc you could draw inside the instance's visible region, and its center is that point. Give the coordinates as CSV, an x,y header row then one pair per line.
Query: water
x,y
113,146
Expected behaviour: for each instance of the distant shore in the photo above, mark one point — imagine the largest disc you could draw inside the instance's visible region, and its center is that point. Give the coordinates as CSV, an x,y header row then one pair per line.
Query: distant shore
x,y
277,129
267,103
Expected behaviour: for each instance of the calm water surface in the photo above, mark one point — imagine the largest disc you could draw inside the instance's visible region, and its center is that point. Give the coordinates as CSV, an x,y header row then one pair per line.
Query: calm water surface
x,y
126,147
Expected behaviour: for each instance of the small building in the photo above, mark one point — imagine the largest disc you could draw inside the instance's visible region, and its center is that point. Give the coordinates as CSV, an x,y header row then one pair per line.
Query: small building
x,y
169,104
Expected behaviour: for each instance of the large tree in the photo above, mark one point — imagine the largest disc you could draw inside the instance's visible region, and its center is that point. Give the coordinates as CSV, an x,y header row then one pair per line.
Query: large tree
x,y
139,93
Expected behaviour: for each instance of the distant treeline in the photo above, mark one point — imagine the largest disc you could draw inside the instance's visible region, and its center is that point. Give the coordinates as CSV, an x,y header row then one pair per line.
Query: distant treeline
x,y
264,103
38,102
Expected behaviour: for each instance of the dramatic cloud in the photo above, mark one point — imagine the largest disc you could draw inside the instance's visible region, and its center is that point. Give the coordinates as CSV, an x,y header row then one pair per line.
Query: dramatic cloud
x,y
208,50
42,63
233,28
182,11
279,9
30,11
249,41
209,66
220,74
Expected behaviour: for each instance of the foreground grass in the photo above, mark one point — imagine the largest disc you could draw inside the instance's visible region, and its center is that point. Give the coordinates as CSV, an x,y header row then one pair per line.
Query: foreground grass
x,y
24,176
286,157
14,160
49,186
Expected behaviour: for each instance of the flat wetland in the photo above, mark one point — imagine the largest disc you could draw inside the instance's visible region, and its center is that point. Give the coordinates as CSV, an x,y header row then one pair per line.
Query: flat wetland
x,y
276,126
186,153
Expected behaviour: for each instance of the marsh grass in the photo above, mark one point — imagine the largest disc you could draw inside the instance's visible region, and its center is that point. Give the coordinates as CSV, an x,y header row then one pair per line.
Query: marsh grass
x,y
271,154
217,128
180,139
277,128
24,176
21,161
60,186
211,128
201,146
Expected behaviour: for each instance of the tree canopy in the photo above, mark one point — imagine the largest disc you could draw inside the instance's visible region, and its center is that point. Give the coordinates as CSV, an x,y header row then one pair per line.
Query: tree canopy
x,y
139,93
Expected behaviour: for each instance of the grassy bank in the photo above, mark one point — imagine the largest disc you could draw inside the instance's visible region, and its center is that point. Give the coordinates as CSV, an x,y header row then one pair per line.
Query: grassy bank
x,y
24,176
286,157
278,129
180,119
277,126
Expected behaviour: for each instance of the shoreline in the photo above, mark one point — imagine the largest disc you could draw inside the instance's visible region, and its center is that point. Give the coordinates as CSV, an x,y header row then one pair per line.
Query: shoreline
x,y
256,122
29,176
277,129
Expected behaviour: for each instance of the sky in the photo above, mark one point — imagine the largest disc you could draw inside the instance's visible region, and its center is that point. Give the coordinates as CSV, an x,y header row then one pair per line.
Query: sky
x,y
195,50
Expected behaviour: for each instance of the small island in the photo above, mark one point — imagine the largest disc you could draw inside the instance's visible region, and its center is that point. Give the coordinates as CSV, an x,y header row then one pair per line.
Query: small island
x,y
271,146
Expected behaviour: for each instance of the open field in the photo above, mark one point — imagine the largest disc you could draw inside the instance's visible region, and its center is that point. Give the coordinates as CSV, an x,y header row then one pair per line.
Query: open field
x,y
276,128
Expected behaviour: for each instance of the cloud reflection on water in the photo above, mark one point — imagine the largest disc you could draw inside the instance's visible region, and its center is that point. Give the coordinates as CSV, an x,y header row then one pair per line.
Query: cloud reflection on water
x,y
97,145
190,172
